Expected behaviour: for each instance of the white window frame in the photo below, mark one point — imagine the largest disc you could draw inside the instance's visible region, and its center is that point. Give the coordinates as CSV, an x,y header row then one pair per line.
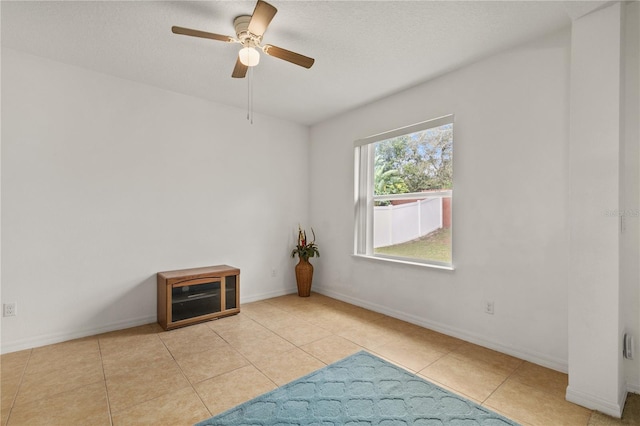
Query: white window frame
x,y
364,198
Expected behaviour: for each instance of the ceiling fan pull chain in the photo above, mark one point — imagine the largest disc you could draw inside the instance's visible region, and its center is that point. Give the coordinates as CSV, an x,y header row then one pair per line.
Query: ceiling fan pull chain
x,y
250,96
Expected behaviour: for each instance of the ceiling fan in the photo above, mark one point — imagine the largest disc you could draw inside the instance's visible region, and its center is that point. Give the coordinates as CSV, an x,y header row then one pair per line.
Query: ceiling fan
x,y
249,32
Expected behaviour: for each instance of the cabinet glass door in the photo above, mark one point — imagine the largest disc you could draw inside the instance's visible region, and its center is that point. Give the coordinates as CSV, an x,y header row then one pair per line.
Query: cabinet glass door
x,y
230,290
189,301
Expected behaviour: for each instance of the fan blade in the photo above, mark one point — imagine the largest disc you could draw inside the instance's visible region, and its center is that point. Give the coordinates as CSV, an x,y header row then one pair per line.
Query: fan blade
x,y
240,70
287,55
201,34
262,16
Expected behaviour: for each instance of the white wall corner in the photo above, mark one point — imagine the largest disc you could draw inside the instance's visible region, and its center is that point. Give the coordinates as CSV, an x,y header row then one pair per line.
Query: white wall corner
x,y
578,9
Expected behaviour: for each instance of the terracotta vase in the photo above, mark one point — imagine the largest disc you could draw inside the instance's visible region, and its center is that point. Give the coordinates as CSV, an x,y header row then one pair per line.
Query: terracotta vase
x,y
304,276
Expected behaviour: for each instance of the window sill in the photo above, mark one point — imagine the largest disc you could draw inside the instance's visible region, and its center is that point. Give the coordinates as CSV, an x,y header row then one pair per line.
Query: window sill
x,y
404,262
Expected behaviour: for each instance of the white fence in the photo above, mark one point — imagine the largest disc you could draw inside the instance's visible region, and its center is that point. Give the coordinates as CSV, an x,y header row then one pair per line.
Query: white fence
x,y
405,222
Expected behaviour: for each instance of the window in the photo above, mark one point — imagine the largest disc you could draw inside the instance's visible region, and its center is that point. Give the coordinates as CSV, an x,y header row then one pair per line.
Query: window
x,y
403,194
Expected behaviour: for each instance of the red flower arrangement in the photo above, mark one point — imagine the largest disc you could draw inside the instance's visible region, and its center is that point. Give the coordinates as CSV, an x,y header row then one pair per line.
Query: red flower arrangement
x,y
305,249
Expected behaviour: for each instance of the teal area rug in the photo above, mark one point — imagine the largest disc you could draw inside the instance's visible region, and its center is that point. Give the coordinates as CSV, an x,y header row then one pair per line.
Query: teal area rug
x,y
359,390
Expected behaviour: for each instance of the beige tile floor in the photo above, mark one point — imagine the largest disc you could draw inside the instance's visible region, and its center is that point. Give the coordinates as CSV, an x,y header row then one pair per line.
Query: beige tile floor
x,y
146,376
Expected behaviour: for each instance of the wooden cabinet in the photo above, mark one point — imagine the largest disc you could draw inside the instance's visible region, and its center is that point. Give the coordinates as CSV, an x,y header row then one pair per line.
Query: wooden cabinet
x,y
188,296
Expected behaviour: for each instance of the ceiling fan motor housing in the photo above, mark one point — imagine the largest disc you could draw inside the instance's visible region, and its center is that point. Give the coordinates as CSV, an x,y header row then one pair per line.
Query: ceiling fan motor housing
x,y
246,38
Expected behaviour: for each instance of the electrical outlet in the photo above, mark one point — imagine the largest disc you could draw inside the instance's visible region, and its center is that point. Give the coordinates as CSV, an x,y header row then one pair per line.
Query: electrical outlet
x,y
488,307
10,309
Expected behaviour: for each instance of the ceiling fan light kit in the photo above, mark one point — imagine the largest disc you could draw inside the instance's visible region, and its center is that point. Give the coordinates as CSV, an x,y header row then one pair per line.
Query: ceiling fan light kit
x,y
249,56
249,31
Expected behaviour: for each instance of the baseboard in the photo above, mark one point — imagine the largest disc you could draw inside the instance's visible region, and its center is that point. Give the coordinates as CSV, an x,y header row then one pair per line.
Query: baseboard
x,y
595,403
525,354
268,295
49,339
633,388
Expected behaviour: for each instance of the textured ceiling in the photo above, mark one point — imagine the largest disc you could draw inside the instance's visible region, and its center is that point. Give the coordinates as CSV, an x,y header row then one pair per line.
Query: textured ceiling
x,y
364,50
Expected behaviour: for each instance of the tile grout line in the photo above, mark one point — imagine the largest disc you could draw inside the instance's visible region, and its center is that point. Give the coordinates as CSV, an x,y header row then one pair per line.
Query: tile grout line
x,y
370,350
15,396
182,371
192,384
509,376
296,346
512,374
106,389
502,383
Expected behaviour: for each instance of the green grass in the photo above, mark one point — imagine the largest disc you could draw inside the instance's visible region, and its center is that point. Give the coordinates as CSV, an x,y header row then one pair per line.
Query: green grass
x,y
434,246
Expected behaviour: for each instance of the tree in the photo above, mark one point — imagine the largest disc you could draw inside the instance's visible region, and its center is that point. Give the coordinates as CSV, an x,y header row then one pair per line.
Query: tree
x,y
386,180
423,160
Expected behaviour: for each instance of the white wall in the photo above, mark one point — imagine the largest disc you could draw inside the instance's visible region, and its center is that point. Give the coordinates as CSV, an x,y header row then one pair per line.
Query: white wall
x,y
106,182
630,239
595,357
510,234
